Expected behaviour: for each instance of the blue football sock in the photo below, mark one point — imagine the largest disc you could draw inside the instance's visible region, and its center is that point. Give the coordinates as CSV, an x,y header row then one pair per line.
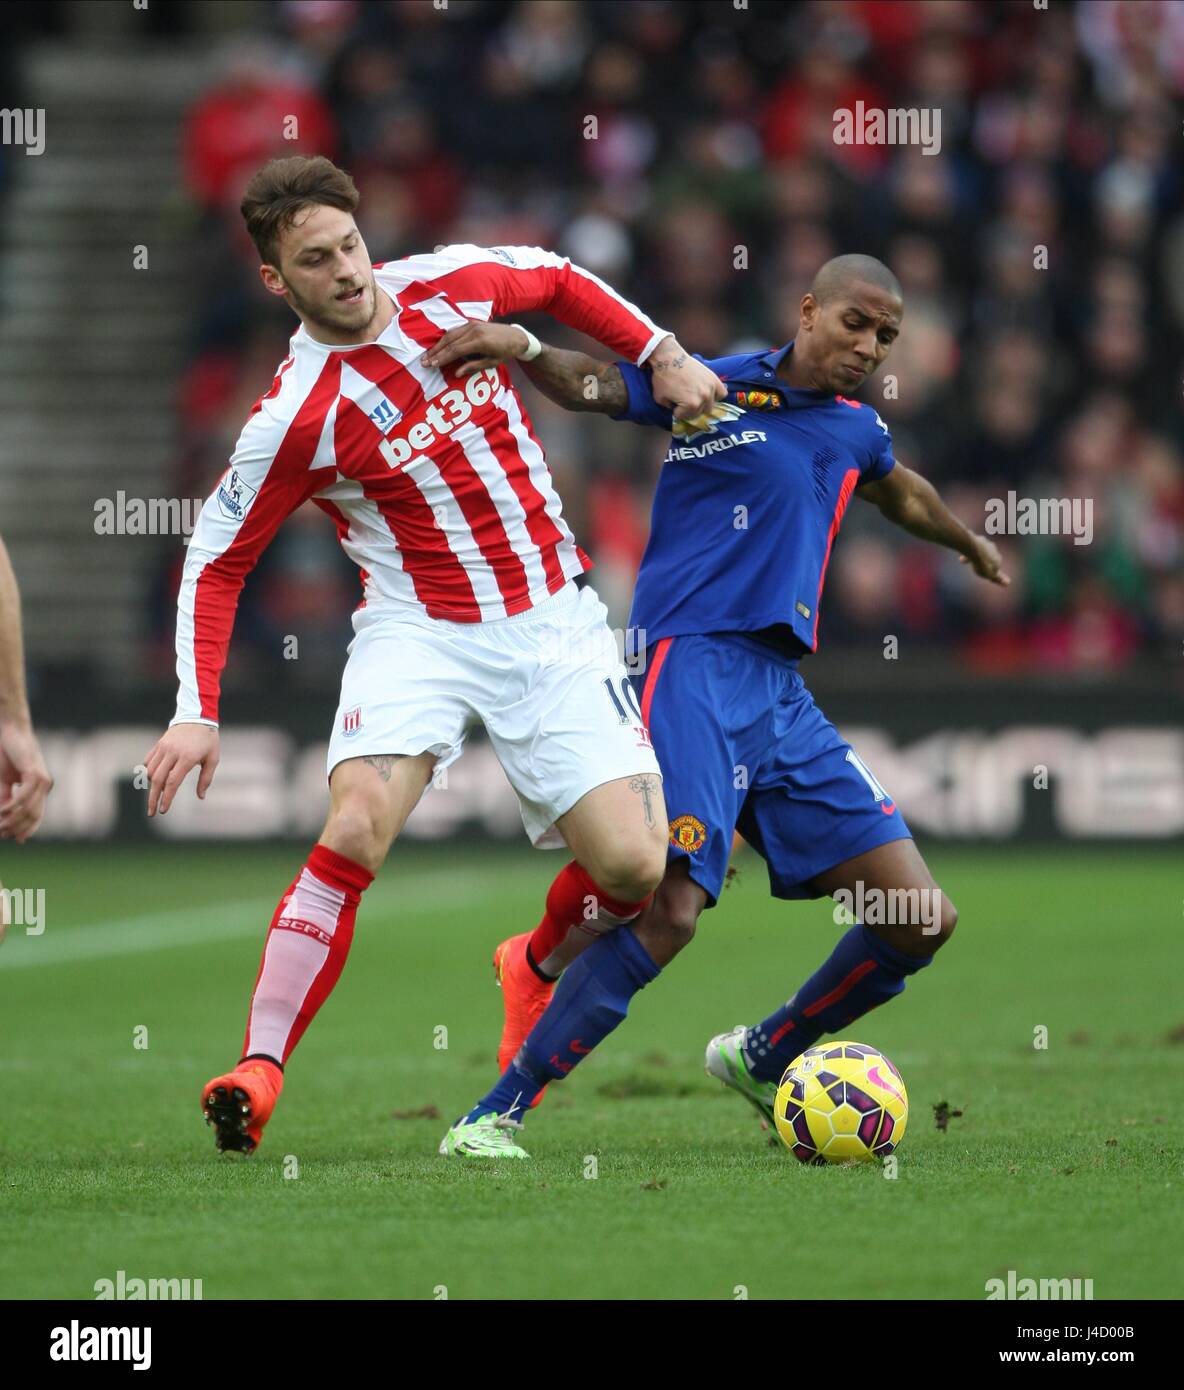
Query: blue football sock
x,y
591,998
861,972
511,1096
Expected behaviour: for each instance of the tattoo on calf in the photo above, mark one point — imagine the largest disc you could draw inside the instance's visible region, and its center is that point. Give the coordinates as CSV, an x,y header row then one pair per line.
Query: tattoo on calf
x,y
645,785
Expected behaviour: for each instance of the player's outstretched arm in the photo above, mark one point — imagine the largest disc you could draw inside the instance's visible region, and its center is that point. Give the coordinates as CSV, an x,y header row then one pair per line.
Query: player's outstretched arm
x,y
520,279
24,780
571,379
912,502
180,749
578,382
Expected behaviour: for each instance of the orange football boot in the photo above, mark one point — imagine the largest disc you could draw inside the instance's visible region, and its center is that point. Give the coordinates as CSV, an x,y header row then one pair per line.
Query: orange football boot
x,y
524,996
240,1103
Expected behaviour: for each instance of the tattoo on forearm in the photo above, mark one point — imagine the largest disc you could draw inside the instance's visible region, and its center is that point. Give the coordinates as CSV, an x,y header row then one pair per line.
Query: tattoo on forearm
x,y
645,785
674,363
613,398
383,763
578,382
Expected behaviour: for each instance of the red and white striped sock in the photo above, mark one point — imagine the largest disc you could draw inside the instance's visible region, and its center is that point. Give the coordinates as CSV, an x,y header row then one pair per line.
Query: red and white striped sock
x,y
305,950
575,902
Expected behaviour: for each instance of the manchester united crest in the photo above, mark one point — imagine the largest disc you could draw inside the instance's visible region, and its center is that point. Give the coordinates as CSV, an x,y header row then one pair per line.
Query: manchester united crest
x,y
687,832
759,400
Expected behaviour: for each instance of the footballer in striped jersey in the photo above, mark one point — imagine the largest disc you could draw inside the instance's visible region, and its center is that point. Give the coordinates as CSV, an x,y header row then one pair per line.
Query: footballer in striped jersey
x,y
441,494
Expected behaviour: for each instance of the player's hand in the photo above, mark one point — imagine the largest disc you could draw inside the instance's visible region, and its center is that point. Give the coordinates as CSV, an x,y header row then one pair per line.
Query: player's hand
x,y
985,560
24,781
481,344
679,381
176,753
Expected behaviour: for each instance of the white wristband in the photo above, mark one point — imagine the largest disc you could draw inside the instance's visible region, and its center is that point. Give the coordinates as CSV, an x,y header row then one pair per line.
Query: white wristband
x,y
533,346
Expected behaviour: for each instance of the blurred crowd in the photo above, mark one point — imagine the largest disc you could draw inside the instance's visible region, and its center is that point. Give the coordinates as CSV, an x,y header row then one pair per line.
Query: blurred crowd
x,y
684,151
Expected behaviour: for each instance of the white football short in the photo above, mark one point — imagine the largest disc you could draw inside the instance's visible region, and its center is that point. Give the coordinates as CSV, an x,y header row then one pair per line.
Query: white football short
x,y
547,684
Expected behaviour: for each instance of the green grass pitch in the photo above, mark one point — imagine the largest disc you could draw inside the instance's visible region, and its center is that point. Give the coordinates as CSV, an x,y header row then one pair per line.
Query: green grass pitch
x,y
1065,1162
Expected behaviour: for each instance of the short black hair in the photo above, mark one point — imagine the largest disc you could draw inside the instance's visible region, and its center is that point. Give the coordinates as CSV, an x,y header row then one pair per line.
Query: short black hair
x,y
283,188
843,271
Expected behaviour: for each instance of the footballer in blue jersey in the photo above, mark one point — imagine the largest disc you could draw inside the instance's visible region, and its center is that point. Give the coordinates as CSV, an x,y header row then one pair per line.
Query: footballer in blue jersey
x,y
750,499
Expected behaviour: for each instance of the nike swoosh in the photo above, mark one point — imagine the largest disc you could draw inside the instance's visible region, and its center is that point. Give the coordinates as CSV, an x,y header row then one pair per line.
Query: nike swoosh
x,y
873,1074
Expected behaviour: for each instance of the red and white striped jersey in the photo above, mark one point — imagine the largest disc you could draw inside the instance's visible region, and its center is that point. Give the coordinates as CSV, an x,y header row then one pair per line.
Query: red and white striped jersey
x,y
438,487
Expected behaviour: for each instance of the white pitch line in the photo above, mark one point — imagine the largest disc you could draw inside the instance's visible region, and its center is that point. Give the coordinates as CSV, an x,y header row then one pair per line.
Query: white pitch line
x,y
221,921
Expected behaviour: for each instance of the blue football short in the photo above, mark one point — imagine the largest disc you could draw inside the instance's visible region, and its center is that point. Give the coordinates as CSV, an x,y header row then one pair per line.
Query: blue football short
x,y
743,746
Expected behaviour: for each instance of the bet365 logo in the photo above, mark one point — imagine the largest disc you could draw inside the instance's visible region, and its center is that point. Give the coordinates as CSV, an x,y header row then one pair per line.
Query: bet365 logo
x,y
441,416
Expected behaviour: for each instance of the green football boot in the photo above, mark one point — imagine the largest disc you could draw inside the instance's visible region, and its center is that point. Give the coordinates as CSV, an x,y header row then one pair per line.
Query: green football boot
x,y
727,1063
489,1137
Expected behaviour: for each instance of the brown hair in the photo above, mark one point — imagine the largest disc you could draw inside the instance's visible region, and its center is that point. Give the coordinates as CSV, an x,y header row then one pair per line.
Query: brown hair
x,y
285,187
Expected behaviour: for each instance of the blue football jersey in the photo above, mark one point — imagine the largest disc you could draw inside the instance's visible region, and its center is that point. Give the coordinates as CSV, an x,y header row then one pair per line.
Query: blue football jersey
x,y
745,514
